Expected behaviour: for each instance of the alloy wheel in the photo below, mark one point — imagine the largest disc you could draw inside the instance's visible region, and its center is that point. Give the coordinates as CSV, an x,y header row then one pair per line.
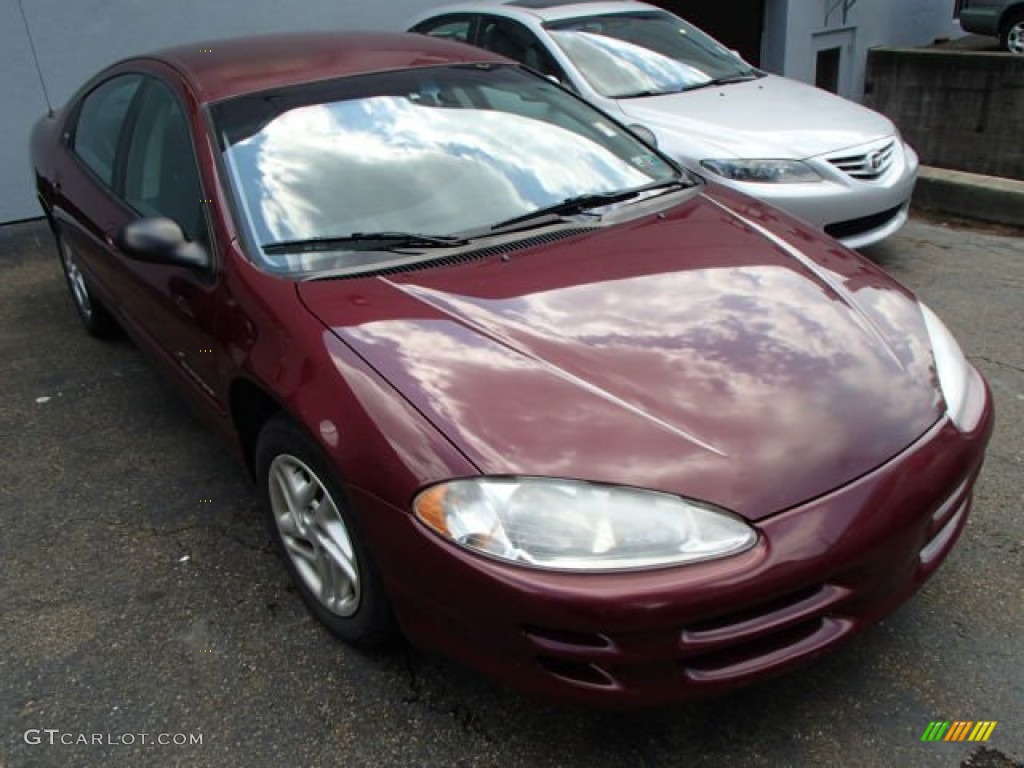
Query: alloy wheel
x,y
1015,37
315,536
76,280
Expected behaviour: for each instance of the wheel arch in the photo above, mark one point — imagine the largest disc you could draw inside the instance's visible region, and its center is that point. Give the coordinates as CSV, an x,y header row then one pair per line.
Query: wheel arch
x,y
44,203
250,407
1010,13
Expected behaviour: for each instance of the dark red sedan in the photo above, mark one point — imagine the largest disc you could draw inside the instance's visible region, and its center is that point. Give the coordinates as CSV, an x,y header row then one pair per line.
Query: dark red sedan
x,y
510,381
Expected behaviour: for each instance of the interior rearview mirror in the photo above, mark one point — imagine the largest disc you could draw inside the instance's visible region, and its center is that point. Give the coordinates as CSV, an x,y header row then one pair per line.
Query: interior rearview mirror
x,y
160,240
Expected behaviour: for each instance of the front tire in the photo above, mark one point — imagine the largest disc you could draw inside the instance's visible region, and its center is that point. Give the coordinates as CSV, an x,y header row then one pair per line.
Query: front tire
x,y
91,312
313,526
1011,37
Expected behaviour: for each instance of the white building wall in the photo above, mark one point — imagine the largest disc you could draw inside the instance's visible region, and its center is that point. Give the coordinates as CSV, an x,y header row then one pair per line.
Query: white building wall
x,y
76,39
773,36
795,30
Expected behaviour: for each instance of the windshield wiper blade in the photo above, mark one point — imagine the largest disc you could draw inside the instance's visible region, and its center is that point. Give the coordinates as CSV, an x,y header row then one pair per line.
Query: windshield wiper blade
x,y
744,77
365,241
641,94
583,203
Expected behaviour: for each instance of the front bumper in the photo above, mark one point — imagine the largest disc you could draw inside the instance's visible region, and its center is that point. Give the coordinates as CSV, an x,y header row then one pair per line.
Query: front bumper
x,y
857,212
820,573
981,20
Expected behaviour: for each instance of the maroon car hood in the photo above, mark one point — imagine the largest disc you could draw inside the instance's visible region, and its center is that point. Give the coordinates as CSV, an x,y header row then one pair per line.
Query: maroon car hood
x,y
694,354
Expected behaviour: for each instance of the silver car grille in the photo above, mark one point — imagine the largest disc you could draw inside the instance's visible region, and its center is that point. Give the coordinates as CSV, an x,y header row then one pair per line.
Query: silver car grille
x,y
867,166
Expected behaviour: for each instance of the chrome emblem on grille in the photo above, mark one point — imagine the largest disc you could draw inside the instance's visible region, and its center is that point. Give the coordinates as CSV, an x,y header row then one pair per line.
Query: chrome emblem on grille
x,y
876,159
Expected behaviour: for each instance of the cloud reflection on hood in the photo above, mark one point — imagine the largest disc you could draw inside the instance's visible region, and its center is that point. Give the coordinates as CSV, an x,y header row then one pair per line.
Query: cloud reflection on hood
x,y
623,381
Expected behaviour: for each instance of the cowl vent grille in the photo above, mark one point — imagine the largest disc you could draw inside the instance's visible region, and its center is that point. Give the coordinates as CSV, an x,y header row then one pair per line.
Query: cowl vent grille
x,y
477,254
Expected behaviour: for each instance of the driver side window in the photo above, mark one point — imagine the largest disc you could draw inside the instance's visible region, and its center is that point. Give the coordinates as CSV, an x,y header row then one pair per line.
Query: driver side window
x,y
459,28
161,177
513,40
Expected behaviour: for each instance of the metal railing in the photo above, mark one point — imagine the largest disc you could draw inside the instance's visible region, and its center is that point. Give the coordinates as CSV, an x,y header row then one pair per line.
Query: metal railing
x,y
831,6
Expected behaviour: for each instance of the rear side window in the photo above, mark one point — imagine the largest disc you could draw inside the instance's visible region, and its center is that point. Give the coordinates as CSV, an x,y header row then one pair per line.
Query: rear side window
x,y
448,27
100,120
512,39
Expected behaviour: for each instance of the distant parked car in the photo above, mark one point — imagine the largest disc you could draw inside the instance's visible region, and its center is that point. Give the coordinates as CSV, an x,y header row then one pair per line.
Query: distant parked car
x,y
1002,18
833,163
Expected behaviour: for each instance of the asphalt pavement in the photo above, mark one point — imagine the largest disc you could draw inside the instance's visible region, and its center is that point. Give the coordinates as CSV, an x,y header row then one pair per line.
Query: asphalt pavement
x,y
141,601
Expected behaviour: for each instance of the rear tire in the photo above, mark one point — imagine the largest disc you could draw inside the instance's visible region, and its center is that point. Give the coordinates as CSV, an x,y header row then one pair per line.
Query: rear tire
x,y
312,524
1011,37
91,312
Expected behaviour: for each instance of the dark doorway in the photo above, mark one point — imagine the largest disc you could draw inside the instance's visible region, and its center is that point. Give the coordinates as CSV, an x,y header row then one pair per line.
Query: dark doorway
x,y
737,24
826,69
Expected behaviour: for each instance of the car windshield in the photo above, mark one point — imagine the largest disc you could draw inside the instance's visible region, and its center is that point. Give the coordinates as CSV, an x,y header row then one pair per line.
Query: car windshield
x,y
328,173
645,53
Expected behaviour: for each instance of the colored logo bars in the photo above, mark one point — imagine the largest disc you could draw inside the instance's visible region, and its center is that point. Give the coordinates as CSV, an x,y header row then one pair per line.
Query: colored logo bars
x,y
959,730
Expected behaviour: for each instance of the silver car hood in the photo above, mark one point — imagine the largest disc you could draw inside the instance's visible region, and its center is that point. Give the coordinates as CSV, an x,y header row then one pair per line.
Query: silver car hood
x,y
771,117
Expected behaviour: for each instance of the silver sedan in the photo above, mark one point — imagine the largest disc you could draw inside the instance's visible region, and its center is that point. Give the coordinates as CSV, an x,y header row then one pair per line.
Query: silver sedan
x,y
833,163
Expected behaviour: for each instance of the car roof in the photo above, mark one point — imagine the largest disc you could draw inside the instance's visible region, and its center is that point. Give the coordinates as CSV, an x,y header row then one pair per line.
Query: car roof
x,y
222,69
551,10
544,10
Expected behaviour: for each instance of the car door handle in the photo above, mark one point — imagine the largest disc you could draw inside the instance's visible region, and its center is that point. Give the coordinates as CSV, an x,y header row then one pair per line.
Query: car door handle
x,y
184,305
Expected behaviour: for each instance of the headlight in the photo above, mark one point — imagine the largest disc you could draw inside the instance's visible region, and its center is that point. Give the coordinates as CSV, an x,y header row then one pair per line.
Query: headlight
x,y
578,526
763,171
955,374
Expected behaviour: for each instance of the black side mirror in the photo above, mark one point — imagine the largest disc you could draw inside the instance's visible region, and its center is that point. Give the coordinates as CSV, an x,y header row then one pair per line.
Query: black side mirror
x,y
160,241
644,133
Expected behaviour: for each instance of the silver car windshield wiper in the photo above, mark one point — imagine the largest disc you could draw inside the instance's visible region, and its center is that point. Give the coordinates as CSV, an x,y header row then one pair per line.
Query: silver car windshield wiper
x,y
642,94
742,77
583,203
365,241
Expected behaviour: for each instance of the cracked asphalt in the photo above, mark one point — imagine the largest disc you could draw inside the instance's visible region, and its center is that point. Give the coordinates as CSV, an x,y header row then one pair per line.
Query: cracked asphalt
x,y
132,606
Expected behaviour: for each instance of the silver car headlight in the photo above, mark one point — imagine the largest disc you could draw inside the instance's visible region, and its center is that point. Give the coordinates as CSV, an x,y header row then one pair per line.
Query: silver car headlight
x,y
573,525
954,372
763,171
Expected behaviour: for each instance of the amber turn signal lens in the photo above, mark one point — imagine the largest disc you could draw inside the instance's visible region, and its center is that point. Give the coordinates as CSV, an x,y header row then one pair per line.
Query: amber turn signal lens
x,y
429,508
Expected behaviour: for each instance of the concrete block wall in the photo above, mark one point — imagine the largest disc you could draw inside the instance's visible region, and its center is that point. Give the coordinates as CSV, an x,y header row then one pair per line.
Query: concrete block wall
x,y
960,110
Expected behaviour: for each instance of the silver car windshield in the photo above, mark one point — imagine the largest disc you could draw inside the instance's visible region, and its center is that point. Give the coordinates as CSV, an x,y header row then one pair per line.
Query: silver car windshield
x,y
645,53
364,163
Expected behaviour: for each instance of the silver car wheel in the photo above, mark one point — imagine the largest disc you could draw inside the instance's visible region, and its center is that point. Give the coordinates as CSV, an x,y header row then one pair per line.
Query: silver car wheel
x,y
314,534
1015,38
76,280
